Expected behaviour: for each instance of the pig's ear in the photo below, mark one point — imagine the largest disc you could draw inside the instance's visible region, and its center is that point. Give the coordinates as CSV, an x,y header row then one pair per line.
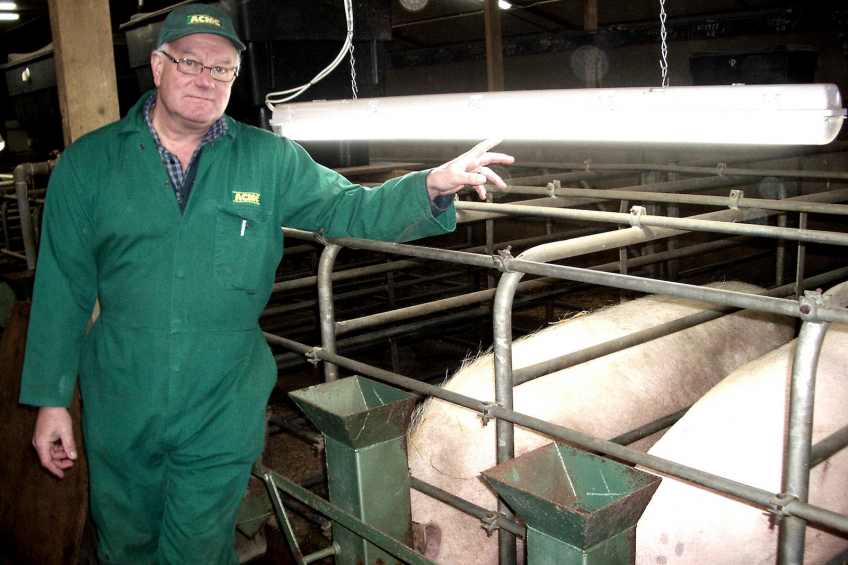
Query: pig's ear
x,y
426,539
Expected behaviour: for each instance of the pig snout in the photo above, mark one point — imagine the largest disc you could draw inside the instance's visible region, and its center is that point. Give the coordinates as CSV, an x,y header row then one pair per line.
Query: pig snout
x,y
426,539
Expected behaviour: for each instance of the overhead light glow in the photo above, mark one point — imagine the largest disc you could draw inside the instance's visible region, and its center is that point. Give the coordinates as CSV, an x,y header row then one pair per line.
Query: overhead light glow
x,y
9,16
808,114
8,6
502,4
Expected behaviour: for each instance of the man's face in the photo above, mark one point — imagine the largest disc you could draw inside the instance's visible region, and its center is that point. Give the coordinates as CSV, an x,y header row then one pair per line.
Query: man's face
x,y
193,102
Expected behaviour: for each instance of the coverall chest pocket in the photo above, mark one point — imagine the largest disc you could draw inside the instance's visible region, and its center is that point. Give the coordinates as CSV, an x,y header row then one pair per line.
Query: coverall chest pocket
x,y
241,244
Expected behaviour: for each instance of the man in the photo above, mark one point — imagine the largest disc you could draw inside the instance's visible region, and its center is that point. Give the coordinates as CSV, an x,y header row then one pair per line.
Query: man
x,y
171,217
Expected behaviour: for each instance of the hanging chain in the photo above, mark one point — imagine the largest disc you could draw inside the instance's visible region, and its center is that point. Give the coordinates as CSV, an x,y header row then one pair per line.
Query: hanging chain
x,y
353,86
663,34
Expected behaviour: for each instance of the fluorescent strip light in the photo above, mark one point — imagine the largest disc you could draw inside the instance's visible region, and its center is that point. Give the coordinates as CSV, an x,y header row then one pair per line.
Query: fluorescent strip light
x,y
8,6
9,16
808,114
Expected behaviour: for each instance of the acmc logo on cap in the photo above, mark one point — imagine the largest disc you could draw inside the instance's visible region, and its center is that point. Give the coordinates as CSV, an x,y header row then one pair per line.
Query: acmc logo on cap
x,y
202,19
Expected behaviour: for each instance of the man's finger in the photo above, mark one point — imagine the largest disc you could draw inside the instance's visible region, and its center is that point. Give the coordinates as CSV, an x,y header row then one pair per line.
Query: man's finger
x,y
495,178
63,464
484,146
67,439
46,457
497,158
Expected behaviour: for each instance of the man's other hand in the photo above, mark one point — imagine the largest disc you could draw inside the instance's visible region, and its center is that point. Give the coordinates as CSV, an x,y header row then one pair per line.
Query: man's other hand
x,y
53,439
469,169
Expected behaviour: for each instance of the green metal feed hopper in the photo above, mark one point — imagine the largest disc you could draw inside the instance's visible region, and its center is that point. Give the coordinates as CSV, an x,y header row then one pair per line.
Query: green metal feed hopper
x,y
364,425
579,508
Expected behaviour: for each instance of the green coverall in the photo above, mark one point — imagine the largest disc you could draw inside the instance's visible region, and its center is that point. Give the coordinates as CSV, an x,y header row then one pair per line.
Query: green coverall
x,y
175,374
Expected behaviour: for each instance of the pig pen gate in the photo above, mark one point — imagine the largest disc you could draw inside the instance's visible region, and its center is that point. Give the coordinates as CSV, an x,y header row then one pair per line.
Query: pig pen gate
x,y
814,310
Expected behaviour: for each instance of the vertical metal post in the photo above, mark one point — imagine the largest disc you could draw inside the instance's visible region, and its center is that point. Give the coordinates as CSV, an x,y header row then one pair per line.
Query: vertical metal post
x,y
622,252
802,250
671,266
549,303
390,289
325,307
490,243
652,209
796,474
780,257
796,468
22,175
502,330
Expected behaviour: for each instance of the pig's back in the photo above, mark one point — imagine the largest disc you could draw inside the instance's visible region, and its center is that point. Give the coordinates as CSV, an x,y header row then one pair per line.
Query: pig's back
x,y
737,431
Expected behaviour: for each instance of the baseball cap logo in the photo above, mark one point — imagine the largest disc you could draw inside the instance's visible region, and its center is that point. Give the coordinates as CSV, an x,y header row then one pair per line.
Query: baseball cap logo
x,y
202,19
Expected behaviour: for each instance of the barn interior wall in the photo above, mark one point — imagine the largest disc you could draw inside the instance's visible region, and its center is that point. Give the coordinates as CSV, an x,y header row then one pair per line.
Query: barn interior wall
x,y
632,65
629,66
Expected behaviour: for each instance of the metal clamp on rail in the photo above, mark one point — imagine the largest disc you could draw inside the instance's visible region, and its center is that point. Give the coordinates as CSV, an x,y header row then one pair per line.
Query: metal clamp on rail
x,y
735,197
809,304
779,502
552,188
720,168
586,164
500,260
487,412
490,522
312,355
636,214
319,237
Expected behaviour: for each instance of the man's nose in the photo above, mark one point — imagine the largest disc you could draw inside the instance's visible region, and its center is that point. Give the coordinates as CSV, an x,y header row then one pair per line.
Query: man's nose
x,y
205,77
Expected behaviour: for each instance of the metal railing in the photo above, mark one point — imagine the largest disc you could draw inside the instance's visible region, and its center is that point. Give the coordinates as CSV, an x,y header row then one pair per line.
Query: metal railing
x,y
815,313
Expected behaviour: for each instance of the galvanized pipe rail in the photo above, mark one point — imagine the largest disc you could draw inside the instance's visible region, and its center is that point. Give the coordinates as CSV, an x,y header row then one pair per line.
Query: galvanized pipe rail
x,y
589,166
535,264
504,399
382,268
274,481
642,219
697,199
764,499
464,215
507,264
667,187
525,374
796,472
23,175
528,373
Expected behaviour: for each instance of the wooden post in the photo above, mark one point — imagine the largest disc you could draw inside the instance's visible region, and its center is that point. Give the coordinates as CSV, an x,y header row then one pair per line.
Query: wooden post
x,y
494,45
85,65
590,23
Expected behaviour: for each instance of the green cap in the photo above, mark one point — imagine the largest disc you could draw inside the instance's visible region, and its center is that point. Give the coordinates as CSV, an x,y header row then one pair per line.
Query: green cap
x,y
198,18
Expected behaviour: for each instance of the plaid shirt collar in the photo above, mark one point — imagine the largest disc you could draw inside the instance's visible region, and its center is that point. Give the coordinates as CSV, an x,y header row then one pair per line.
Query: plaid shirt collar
x,y
172,165
218,129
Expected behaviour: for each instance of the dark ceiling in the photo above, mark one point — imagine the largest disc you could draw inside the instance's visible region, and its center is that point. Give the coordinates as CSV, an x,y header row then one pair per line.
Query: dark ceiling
x,y
437,22
446,22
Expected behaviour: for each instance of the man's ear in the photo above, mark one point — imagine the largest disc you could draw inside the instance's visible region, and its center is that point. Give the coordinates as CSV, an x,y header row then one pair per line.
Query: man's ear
x,y
156,64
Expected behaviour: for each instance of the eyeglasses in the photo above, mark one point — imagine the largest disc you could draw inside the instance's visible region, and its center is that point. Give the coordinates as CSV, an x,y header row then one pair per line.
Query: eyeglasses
x,y
192,67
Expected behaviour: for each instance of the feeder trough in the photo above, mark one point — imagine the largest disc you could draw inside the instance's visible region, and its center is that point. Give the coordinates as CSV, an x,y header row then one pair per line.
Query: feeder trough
x,y
579,508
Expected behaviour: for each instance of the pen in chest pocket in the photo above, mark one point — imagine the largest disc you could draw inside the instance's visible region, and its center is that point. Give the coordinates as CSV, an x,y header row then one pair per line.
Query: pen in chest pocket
x,y
243,225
